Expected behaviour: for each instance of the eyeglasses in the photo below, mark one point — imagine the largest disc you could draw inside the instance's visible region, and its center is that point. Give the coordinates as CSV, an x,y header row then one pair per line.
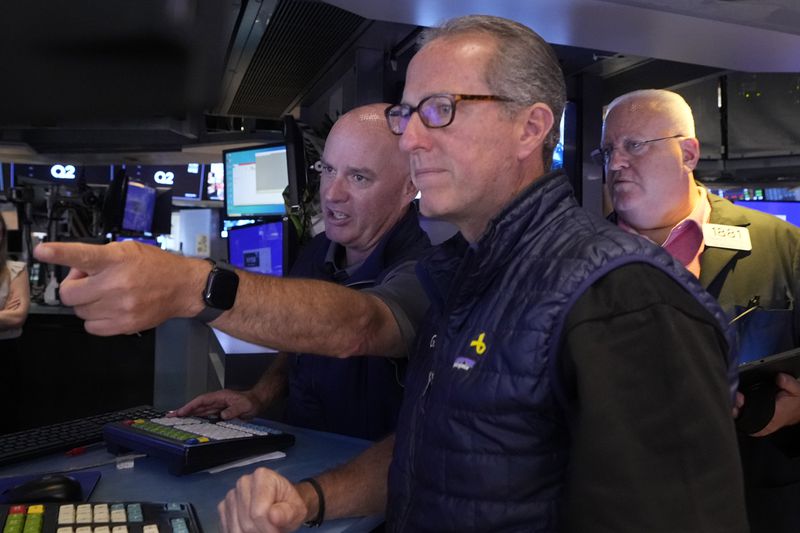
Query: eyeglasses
x,y
602,156
435,111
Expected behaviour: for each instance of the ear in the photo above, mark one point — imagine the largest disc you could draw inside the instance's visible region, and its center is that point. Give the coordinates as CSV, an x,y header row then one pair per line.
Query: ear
x,y
410,190
690,149
536,122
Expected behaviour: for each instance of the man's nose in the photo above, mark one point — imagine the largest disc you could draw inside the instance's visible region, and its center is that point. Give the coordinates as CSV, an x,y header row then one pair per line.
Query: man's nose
x,y
416,135
335,190
617,159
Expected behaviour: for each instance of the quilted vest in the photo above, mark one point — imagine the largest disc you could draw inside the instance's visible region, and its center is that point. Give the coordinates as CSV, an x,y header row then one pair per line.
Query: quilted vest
x,y
482,440
359,396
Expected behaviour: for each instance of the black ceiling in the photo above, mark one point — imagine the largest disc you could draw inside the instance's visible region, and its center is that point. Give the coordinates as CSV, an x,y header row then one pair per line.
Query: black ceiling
x,y
118,76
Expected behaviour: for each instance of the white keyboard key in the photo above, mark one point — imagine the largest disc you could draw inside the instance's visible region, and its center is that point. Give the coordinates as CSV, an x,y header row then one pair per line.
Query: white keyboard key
x,y
66,514
101,512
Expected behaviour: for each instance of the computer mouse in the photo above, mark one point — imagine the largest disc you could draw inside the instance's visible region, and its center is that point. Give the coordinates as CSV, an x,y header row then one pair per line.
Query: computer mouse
x,y
48,488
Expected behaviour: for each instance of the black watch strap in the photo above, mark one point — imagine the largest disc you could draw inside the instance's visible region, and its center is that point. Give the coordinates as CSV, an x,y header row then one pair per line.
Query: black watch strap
x,y
212,312
317,520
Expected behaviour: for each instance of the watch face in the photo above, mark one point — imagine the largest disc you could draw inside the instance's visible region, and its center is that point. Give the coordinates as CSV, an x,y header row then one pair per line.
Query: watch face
x,y
221,288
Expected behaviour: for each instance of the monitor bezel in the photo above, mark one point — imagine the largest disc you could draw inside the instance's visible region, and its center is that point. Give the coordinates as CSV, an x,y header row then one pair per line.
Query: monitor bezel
x,y
257,214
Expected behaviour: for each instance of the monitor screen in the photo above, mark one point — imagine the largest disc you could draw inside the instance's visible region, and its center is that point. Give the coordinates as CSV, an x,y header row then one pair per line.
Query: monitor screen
x,y
62,173
186,181
140,202
788,211
258,247
255,179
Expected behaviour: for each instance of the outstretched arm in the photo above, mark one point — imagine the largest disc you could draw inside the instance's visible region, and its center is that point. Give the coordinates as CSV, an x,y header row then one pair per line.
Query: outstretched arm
x,y
127,287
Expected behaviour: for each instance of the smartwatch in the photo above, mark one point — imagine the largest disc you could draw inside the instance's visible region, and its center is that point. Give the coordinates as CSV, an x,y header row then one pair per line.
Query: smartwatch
x,y
220,292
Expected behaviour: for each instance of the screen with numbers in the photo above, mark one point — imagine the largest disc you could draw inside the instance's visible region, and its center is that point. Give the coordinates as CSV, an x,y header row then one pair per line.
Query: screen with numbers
x,y
788,211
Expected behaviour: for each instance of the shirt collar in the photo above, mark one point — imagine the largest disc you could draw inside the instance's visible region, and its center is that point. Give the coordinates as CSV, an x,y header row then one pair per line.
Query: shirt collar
x,y
334,256
701,214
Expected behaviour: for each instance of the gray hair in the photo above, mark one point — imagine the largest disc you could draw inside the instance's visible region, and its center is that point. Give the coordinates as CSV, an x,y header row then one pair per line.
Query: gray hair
x,y
525,68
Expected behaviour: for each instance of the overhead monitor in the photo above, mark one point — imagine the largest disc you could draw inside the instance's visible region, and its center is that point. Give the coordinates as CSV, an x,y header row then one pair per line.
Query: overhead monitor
x,y
788,211
259,247
186,181
255,180
62,174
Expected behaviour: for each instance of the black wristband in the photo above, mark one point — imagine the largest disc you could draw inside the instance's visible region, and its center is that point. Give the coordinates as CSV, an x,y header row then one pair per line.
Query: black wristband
x,y
317,520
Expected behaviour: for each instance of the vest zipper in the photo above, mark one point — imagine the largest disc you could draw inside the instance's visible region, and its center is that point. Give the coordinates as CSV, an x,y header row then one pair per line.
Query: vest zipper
x,y
412,447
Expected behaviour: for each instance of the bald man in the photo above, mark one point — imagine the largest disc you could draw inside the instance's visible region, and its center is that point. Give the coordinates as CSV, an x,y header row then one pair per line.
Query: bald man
x,y
749,261
372,240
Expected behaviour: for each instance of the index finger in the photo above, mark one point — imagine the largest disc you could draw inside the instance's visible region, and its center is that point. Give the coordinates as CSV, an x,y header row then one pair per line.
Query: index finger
x,y
89,258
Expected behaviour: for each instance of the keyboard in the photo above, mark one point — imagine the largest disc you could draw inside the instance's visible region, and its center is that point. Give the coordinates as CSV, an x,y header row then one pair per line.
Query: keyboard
x,y
112,517
64,436
190,444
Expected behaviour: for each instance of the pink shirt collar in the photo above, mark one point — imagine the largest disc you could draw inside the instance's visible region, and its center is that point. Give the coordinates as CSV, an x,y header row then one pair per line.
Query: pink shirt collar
x,y
685,240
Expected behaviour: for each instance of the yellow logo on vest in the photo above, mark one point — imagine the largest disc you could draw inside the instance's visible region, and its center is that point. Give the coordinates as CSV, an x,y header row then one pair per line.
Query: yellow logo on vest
x,y
479,345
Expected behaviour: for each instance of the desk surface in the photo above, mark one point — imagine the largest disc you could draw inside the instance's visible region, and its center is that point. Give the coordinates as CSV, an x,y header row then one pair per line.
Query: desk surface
x,y
149,480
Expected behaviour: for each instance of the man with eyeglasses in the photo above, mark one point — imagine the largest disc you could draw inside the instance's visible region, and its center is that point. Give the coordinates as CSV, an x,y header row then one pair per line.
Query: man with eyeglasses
x,y
748,260
568,376
371,242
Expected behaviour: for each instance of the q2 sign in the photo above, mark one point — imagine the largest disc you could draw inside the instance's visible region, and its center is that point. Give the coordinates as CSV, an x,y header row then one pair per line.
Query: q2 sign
x,y
63,172
164,178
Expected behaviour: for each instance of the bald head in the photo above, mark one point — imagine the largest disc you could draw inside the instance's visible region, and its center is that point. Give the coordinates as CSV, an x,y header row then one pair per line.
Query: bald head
x,y
651,153
365,186
366,125
666,106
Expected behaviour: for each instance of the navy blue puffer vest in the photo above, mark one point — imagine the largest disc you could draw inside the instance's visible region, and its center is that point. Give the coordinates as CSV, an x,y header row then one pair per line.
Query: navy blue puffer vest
x,y
359,396
482,439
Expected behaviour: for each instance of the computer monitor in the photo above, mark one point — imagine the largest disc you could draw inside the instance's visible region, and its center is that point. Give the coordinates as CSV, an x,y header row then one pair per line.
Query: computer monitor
x,y
62,174
186,181
255,180
261,247
788,211
140,202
